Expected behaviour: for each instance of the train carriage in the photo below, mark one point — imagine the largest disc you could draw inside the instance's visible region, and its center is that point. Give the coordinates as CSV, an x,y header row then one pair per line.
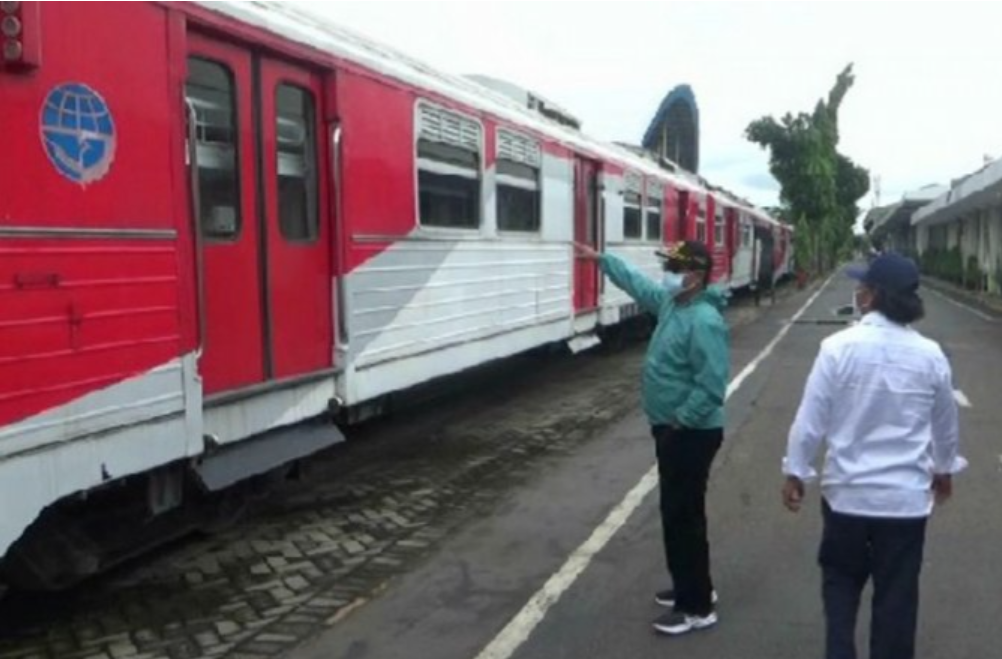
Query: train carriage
x,y
226,226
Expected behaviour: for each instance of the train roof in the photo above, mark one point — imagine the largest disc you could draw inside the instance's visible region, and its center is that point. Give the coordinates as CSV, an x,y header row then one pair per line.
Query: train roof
x,y
309,29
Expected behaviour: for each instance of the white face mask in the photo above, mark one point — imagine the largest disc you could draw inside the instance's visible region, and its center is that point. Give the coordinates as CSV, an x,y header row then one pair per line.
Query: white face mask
x,y
673,283
861,307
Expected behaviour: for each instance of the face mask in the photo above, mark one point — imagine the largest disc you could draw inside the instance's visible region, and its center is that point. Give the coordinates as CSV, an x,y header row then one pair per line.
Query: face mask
x,y
861,302
673,283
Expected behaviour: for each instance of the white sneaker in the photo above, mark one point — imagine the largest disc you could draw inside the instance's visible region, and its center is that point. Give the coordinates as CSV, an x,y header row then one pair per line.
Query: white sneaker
x,y
678,623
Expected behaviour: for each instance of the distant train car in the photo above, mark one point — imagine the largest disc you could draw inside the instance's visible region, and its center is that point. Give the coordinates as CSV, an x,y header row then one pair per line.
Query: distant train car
x,y
229,229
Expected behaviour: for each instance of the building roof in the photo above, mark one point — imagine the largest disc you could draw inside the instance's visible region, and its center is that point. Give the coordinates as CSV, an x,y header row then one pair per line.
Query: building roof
x,y
680,114
976,190
885,218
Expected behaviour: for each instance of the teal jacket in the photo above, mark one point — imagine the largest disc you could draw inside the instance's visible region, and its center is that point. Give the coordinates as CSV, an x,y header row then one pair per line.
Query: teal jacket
x,y
688,360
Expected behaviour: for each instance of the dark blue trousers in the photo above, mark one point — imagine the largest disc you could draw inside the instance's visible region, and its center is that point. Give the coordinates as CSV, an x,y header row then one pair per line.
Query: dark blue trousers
x,y
684,460
855,549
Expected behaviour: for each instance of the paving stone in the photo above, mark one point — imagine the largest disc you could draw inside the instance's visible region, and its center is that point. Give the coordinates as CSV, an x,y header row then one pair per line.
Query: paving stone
x,y
207,640
227,628
123,651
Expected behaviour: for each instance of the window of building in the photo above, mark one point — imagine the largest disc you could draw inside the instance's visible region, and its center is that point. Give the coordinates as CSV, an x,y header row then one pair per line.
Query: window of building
x,y
519,194
296,149
449,147
211,91
633,223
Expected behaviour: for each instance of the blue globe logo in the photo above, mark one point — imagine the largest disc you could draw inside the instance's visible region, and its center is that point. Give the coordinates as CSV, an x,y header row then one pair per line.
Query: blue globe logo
x,y
78,133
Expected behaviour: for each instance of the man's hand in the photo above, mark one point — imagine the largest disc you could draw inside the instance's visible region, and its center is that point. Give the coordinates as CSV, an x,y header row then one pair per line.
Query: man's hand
x,y
586,252
793,493
942,485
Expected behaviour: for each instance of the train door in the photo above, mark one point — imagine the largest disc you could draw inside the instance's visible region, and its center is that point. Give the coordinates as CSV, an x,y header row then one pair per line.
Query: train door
x,y
784,266
586,230
732,239
778,252
700,229
298,263
684,213
718,240
264,249
744,257
221,153
765,243
674,214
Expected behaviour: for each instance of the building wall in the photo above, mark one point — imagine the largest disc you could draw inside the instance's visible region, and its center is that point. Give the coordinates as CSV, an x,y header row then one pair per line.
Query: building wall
x,y
977,234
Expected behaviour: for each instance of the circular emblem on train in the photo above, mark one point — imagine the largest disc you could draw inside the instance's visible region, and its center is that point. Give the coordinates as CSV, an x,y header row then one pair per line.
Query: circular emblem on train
x,y
78,133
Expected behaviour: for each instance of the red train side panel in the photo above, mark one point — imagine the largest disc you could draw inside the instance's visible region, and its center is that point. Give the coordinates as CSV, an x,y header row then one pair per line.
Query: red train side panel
x,y
79,316
90,259
379,188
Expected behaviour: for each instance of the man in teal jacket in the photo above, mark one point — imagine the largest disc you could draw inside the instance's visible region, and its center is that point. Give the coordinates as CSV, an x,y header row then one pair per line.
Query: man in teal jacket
x,y
685,377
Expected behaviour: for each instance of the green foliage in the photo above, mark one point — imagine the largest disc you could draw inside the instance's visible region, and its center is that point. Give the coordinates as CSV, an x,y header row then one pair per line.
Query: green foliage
x,y
945,264
974,277
819,186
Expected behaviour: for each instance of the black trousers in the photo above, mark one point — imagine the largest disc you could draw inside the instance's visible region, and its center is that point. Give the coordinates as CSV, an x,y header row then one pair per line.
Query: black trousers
x,y
853,549
684,460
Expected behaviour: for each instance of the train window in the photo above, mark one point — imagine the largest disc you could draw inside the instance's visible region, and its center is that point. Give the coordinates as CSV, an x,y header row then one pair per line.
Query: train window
x,y
746,234
519,198
719,229
211,91
296,148
448,158
654,220
633,222
701,223
655,201
633,226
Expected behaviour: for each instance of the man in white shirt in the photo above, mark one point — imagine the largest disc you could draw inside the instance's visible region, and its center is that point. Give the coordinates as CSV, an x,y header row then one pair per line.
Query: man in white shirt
x,y
880,396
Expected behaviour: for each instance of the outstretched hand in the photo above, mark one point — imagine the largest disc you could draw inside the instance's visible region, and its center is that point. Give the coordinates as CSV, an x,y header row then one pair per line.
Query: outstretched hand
x,y
586,251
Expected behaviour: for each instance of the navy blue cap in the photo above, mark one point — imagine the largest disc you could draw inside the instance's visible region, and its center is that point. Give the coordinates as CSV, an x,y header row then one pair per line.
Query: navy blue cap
x,y
889,271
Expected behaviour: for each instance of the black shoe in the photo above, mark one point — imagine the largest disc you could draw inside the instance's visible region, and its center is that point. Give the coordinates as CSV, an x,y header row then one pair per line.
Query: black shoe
x,y
667,598
677,623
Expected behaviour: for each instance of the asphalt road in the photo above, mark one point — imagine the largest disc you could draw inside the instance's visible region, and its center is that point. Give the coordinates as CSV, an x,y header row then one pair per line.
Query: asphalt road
x,y
457,601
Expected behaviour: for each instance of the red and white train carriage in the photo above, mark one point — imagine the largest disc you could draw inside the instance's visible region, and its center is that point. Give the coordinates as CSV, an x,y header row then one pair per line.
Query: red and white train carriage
x,y
221,221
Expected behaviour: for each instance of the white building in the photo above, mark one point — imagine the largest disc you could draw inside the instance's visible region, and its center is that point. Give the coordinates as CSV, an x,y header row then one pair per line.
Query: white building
x,y
967,217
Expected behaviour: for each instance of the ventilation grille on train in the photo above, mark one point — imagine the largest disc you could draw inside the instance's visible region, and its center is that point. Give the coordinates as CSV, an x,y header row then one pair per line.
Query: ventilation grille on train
x,y
633,182
444,127
518,148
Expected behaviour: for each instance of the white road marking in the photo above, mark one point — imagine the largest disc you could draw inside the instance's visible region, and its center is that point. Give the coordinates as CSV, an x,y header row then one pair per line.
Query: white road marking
x,y
950,300
961,399
517,631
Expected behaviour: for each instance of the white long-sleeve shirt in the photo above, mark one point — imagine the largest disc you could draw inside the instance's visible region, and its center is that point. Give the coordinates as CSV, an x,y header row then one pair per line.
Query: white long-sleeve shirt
x,y
880,396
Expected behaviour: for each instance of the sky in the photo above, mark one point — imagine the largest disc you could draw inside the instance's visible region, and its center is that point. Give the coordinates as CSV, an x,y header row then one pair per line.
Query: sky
x,y
926,106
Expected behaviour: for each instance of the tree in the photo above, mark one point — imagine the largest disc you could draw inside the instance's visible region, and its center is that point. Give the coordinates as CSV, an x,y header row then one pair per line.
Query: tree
x,y
820,187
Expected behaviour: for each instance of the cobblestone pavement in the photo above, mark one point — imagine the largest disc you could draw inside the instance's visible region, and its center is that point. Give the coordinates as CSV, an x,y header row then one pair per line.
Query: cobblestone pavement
x,y
311,551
